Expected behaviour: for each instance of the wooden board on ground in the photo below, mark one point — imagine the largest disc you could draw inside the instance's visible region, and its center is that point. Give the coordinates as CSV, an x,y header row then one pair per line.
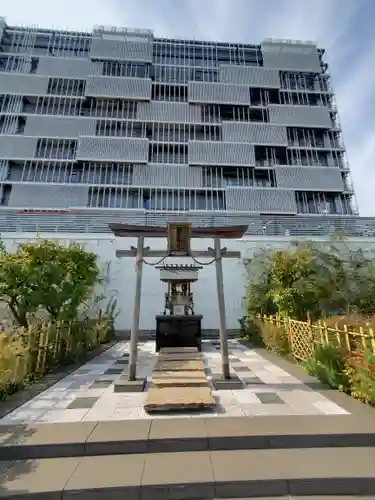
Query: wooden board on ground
x,y
175,350
180,365
179,379
167,399
180,356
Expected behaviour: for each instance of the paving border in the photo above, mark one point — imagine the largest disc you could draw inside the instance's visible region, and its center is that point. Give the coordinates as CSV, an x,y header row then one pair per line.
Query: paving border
x,y
82,439
13,401
348,403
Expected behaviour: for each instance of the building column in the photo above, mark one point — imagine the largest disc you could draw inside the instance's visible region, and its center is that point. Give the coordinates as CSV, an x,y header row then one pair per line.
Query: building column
x,y
136,310
221,304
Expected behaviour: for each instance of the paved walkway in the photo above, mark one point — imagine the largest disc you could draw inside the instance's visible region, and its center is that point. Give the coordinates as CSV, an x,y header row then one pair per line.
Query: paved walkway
x,y
87,394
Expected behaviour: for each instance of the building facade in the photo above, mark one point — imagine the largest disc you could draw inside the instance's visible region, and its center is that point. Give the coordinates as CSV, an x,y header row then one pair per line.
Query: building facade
x,y
117,124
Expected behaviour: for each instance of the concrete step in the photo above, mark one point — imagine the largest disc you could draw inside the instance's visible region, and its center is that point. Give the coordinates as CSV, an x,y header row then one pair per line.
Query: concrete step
x,y
192,475
184,435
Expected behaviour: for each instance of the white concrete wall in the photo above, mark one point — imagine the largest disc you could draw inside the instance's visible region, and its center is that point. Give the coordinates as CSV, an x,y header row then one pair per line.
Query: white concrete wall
x,y
120,274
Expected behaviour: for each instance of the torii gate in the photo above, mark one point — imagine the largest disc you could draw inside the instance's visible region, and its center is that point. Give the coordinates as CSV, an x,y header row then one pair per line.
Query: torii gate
x,y
179,235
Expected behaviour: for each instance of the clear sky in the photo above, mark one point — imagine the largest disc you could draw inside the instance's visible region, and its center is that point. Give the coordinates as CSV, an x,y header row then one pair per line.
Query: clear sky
x,y
343,27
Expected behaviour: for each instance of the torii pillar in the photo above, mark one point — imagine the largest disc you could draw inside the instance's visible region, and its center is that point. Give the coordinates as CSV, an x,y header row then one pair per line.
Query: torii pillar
x,y
142,232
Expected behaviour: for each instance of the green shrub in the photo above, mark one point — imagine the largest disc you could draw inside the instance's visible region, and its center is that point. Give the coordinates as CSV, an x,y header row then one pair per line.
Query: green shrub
x,y
360,371
328,365
269,335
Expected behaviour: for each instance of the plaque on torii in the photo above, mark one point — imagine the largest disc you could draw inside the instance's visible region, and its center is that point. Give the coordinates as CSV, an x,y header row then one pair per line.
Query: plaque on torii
x,y
179,235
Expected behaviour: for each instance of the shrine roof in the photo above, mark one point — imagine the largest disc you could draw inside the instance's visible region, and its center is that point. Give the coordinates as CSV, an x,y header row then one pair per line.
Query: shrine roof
x,y
128,230
179,267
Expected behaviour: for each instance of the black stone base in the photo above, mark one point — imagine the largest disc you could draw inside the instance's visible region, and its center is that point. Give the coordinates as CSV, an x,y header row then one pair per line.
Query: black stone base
x,y
125,385
178,331
234,383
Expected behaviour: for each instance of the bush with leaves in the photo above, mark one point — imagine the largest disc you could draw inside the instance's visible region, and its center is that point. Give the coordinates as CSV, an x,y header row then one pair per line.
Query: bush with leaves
x,y
311,278
46,275
272,336
360,372
328,365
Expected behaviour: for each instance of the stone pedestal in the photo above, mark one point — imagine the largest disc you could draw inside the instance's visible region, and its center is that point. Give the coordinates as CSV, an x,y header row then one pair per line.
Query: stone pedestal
x,y
178,331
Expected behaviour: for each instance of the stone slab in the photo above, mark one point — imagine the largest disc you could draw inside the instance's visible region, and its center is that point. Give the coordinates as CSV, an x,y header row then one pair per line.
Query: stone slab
x,y
175,350
44,440
178,475
232,384
167,399
183,365
180,357
118,437
125,385
179,379
182,383
117,476
313,471
34,479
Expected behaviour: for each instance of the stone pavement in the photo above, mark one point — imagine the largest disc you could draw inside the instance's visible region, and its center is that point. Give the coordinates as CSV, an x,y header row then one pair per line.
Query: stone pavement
x,y
281,436
87,394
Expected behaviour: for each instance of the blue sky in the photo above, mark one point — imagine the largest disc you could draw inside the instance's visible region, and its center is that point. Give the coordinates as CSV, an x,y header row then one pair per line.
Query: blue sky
x,y
343,27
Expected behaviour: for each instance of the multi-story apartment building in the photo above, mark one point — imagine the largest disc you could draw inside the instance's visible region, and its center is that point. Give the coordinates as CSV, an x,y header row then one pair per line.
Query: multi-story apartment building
x,y
117,124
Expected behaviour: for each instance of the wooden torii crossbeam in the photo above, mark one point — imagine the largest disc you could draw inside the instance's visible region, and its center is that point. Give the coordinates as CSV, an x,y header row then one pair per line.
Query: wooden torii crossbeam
x,y
179,235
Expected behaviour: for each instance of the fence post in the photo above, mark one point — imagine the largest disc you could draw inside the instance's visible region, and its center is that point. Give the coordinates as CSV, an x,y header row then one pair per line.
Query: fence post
x,y
347,338
372,339
363,337
278,324
325,338
310,330
288,328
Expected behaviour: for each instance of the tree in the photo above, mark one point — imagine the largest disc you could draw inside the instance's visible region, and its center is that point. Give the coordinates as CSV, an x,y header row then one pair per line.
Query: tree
x,y
16,285
47,275
312,278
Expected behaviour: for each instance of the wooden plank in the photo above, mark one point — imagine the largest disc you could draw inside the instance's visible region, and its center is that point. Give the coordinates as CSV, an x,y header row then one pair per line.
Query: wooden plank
x,y
180,357
179,379
180,365
173,398
175,350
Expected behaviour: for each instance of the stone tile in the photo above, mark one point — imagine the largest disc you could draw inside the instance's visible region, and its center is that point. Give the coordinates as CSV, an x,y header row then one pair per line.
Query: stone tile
x,y
101,384
39,404
122,362
177,429
119,472
329,408
98,415
113,371
246,397
192,469
230,411
54,416
38,477
267,410
82,403
19,416
269,398
240,368
120,431
251,379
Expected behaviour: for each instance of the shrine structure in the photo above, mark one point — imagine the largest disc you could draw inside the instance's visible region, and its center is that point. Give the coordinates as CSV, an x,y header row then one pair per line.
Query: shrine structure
x,y
178,329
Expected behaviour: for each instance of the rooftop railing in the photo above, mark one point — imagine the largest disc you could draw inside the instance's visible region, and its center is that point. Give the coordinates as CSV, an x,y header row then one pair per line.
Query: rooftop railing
x,y
97,221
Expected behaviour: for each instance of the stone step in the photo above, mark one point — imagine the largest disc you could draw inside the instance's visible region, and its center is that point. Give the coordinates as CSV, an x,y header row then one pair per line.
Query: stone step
x,y
167,435
192,475
166,399
179,379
